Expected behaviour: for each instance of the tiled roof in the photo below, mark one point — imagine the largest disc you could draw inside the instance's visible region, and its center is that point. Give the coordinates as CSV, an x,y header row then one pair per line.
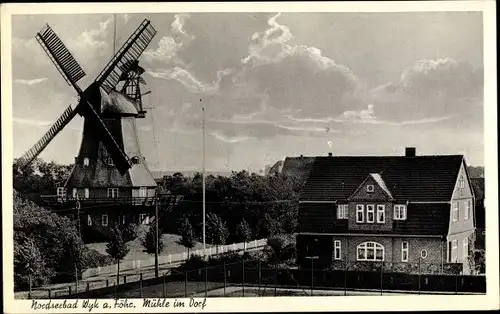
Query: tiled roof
x,y
420,178
378,178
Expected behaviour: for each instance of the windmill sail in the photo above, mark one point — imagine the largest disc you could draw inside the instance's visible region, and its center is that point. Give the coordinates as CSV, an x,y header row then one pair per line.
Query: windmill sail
x,y
64,61
130,51
34,151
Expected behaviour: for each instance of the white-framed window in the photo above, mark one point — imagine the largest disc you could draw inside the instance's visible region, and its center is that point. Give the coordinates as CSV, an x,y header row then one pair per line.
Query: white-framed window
x,y
360,213
86,161
337,250
399,212
112,192
89,220
466,210
75,192
454,211
370,188
423,254
454,249
465,246
370,251
370,213
104,220
86,192
404,251
61,192
461,182
143,191
342,211
380,214
124,219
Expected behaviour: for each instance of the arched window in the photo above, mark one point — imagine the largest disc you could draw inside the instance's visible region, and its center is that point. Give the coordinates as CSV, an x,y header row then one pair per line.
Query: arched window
x,y
370,251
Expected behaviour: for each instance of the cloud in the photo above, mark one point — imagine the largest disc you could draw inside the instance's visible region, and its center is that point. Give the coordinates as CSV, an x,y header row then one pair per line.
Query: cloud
x,y
30,82
167,52
188,80
31,122
432,88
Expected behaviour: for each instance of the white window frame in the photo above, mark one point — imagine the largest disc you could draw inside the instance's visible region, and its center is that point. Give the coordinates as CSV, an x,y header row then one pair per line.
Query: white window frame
x,y
380,209
86,161
454,211
454,251
86,192
465,247
461,182
370,209
370,188
337,250
467,209
143,191
61,191
360,209
123,219
114,192
424,254
89,220
75,192
143,219
107,220
405,249
399,212
342,211
367,246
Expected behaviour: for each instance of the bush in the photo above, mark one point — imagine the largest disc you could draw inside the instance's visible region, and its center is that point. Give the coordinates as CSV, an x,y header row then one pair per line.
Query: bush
x,y
96,234
129,231
95,259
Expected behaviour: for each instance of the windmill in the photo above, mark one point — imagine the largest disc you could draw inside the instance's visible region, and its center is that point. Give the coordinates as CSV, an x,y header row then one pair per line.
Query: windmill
x,y
109,161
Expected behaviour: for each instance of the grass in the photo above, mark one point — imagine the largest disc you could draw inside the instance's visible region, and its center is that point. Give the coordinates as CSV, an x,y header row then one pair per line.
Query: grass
x,y
136,248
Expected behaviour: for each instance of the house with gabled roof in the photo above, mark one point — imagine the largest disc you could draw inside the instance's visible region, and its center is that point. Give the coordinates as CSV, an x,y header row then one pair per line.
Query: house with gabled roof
x,y
397,209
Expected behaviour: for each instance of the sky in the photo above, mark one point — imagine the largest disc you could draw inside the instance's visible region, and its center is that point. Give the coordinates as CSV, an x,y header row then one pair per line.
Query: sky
x,y
272,85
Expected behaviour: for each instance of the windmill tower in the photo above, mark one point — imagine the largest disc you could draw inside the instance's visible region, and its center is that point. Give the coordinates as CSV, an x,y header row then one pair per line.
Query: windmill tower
x,y
110,180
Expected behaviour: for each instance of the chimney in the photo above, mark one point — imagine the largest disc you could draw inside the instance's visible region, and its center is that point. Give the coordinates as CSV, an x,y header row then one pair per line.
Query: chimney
x,y
330,154
410,152
301,156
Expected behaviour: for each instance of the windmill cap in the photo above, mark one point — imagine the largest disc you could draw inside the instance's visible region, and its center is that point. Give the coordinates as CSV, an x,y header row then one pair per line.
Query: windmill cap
x,y
117,102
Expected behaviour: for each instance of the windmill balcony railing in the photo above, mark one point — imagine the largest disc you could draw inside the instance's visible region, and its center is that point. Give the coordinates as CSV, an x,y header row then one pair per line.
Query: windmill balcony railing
x,y
70,201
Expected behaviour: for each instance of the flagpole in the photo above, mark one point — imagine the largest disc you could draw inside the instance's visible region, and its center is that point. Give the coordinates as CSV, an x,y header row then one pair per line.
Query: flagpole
x,y
203,156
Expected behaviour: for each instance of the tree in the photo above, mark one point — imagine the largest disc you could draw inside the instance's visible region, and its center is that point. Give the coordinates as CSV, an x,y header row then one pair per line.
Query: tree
x,y
29,266
57,237
149,242
217,231
188,237
117,248
243,231
280,249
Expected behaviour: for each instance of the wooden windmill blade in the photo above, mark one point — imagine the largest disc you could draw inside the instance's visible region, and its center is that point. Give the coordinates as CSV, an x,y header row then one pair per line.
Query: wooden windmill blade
x,y
62,58
131,50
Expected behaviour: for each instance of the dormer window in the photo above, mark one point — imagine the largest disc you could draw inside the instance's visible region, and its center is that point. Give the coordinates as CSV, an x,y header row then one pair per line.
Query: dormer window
x,y
370,188
112,192
135,160
342,211
86,161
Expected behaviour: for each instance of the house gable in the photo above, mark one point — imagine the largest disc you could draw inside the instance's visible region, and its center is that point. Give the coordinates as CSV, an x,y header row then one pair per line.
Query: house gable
x,y
371,188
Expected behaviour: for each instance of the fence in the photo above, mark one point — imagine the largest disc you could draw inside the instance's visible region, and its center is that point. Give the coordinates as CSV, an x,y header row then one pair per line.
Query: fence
x,y
137,265
255,278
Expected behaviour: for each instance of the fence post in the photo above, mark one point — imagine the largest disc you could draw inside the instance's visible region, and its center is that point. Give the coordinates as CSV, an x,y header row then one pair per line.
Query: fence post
x,y
345,279
225,279
275,281
456,283
381,278
124,278
164,285
206,278
243,276
69,291
50,294
107,283
185,283
140,283
29,291
258,284
88,286
419,271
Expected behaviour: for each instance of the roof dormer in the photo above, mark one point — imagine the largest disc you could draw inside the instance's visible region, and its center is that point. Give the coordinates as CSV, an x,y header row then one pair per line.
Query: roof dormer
x,y
373,187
